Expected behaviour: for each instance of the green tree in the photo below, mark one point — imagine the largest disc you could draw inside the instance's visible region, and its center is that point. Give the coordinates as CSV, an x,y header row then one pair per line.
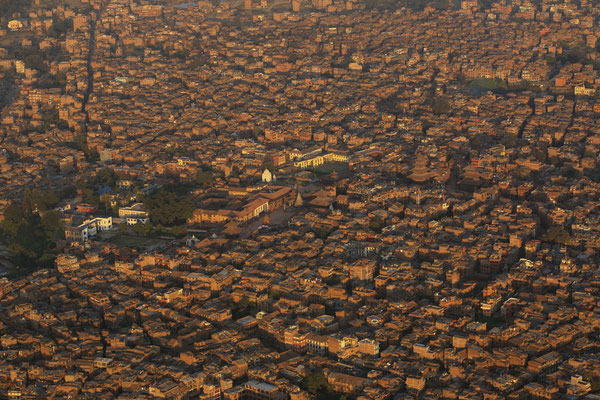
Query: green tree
x,y
441,106
274,295
91,197
13,215
106,177
316,383
30,245
240,309
557,234
10,7
331,280
204,178
169,205
495,85
376,224
53,224
142,229
40,200
60,27
179,231
91,154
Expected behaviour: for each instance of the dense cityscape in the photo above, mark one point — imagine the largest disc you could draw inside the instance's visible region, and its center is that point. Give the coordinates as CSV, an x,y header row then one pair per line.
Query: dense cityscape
x,y
293,199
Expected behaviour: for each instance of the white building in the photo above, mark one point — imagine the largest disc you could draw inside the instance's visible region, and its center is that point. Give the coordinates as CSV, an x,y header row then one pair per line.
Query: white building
x,y
102,223
134,214
88,229
267,176
15,24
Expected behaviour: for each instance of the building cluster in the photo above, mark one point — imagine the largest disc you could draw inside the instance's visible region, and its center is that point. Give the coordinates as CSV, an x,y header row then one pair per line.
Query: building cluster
x,y
404,204
425,308
237,89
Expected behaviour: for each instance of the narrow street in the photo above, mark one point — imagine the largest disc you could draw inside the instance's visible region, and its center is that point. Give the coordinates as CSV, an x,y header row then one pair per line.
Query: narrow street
x,y
94,17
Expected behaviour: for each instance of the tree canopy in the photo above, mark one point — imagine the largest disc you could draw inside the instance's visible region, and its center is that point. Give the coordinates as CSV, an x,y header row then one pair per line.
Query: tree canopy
x,y
10,7
30,228
316,383
169,205
557,234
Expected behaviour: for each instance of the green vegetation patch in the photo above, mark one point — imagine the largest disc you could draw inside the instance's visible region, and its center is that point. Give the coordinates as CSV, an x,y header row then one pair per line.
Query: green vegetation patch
x,y
169,205
10,7
30,228
316,383
499,86
328,168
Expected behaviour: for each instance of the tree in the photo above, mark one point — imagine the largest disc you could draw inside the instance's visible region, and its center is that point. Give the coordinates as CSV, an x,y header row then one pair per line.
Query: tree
x,y
540,154
204,178
482,85
31,234
316,384
441,106
91,154
557,234
331,280
106,177
348,287
10,7
274,296
237,22
322,232
81,139
179,231
198,62
509,140
142,229
13,215
52,223
39,200
240,309
29,228
29,239
37,62
60,27
91,197
376,224
169,205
